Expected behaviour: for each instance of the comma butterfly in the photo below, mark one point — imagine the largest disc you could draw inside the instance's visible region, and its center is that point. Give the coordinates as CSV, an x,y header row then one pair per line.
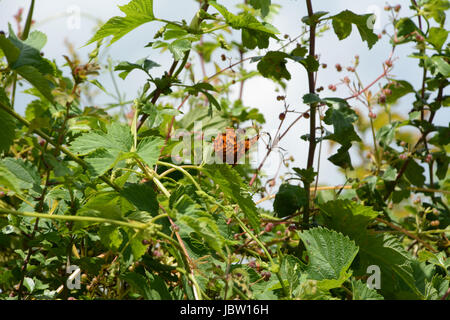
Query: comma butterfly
x,y
227,145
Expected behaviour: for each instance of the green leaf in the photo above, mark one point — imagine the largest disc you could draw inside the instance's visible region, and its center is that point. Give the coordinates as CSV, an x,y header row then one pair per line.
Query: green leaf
x,y
342,157
289,199
29,284
435,9
415,173
273,64
179,47
441,65
399,88
342,25
149,150
104,205
362,292
137,12
37,80
142,196
437,37
25,172
149,287
386,252
347,217
110,237
306,175
37,40
264,5
390,174
405,27
386,134
330,256
7,123
231,185
341,117
254,33
311,98
8,180
142,64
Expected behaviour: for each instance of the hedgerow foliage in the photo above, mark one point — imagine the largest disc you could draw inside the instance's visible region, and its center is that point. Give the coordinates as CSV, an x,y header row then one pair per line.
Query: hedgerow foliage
x,y
83,186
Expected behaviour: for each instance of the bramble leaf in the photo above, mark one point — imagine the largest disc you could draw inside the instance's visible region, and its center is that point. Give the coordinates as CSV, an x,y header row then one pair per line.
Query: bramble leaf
x,y
137,12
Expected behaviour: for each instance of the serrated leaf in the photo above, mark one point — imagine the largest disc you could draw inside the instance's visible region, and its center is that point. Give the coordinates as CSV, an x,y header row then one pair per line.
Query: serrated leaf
x,y
231,185
137,12
149,150
330,256
362,292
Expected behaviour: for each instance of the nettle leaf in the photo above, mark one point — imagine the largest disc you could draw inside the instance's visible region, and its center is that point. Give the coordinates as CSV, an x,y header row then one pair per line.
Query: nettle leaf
x,y
342,25
254,33
232,186
362,292
7,123
289,199
330,256
142,64
137,12
264,5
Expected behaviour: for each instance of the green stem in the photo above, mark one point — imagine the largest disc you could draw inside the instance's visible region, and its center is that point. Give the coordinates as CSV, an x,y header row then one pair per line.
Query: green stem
x,y
171,165
134,225
26,30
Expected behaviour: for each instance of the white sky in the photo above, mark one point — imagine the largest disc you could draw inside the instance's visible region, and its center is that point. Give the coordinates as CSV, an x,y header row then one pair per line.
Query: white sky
x,y
52,19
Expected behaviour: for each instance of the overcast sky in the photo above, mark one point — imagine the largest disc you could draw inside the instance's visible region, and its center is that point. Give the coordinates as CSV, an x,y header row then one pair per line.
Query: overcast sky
x,y
52,18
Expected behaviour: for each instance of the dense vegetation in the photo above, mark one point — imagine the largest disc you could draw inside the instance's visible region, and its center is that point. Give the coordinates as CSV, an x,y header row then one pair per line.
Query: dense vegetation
x,y
115,194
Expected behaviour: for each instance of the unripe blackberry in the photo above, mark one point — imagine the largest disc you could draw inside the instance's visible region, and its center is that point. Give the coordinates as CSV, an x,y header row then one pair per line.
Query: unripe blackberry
x,y
269,227
338,67
435,223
